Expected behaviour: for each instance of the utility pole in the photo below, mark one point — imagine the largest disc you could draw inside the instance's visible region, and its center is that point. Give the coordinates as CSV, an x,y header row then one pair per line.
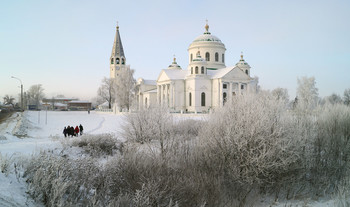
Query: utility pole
x,y
21,91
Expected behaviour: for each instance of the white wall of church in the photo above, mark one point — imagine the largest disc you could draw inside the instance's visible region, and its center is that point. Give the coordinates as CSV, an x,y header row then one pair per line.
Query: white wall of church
x,y
196,85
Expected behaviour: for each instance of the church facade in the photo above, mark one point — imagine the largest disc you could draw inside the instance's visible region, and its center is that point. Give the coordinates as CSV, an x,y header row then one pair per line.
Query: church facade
x,y
206,84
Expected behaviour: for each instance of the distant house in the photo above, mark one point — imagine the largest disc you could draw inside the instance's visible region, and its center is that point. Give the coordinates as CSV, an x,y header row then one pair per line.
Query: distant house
x,y
57,103
79,105
104,105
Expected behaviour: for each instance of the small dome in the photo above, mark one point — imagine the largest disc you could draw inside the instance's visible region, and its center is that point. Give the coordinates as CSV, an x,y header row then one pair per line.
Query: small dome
x,y
174,65
198,58
242,63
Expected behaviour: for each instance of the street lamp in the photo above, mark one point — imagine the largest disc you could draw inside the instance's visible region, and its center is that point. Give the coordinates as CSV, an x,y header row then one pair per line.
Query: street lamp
x,y
21,91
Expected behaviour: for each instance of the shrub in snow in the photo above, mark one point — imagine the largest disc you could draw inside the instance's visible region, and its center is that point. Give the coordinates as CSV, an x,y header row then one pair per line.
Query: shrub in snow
x,y
330,160
250,142
102,144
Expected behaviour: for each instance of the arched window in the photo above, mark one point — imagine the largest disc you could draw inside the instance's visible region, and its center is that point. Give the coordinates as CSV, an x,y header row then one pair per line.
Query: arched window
x,y
224,96
117,61
203,99
246,71
112,61
223,58
216,57
207,56
191,57
146,103
196,70
123,61
190,99
202,70
191,70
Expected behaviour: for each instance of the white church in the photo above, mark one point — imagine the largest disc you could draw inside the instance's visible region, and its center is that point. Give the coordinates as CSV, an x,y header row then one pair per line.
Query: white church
x,y
205,85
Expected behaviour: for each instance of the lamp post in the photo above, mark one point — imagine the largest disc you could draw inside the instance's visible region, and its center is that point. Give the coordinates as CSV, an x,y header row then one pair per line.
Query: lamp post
x,y
21,92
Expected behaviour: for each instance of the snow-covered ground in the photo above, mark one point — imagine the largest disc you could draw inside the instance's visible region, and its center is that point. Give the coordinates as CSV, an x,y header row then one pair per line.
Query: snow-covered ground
x,y
31,131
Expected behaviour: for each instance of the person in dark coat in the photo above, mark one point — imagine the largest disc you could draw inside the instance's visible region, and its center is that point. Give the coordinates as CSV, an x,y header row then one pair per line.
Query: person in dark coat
x,y
70,131
81,129
65,132
76,131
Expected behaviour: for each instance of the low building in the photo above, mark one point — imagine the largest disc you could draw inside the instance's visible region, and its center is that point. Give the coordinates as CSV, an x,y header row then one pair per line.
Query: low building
x,y
79,105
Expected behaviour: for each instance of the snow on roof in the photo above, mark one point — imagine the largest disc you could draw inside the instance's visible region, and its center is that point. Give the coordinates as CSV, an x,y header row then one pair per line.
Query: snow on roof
x,y
220,72
150,82
104,104
176,74
60,104
151,91
79,102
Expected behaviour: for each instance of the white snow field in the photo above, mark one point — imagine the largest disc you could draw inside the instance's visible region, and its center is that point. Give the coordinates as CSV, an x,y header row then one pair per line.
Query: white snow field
x,y
31,131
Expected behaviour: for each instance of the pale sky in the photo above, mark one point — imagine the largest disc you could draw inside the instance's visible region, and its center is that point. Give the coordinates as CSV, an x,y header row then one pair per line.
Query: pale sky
x,y
65,45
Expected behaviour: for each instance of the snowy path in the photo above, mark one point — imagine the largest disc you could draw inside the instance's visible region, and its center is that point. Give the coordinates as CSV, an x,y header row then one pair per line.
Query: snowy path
x,y
98,127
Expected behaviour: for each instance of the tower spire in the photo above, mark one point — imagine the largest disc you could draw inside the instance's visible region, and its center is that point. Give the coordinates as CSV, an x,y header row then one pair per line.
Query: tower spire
x,y
118,50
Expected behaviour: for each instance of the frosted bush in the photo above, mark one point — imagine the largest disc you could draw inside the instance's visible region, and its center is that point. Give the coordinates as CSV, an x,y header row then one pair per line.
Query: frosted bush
x,y
331,153
102,144
250,142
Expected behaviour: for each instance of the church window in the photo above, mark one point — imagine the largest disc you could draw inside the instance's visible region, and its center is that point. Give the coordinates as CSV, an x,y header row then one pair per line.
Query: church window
x,y
242,86
224,86
202,70
112,61
190,99
224,96
216,57
191,57
146,103
246,71
223,58
196,70
203,99
207,56
191,70
123,62
117,60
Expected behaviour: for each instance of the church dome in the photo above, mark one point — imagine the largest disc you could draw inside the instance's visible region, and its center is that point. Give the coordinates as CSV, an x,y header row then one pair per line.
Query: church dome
x,y
210,48
207,37
174,65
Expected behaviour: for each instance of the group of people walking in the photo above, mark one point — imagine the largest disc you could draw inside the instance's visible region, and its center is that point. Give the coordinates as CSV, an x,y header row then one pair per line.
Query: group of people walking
x,y
71,131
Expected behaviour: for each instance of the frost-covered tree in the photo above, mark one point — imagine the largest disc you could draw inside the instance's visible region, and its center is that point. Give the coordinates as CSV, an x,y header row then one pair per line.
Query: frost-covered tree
x,y
107,91
35,94
124,86
307,93
333,99
281,94
347,97
9,100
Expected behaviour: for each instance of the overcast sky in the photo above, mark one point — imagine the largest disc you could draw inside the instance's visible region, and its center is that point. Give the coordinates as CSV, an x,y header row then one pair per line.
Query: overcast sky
x,y
65,45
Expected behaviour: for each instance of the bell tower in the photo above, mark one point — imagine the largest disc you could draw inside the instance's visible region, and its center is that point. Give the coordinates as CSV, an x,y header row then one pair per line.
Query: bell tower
x,y
117,60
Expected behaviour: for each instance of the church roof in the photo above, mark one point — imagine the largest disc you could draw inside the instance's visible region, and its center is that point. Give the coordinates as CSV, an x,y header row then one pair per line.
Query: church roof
x,y
173,74
117,49
221,73
150,82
